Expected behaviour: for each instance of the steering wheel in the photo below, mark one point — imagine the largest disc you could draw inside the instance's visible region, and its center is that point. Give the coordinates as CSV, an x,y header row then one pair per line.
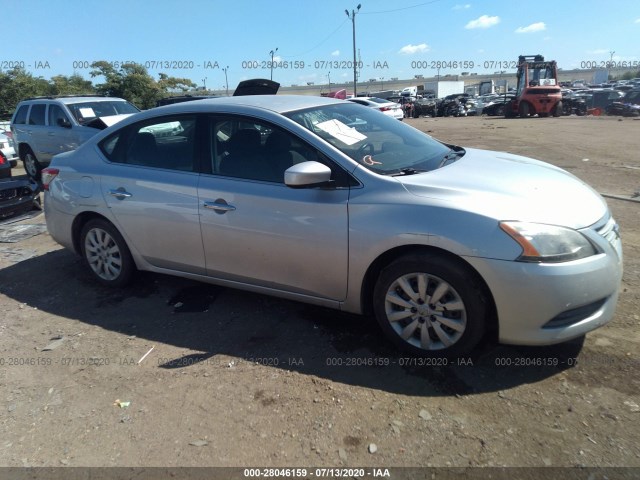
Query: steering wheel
x,y
365,149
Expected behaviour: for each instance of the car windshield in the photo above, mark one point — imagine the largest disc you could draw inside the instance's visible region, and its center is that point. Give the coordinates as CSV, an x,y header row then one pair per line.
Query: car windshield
x,y
376,141
87,111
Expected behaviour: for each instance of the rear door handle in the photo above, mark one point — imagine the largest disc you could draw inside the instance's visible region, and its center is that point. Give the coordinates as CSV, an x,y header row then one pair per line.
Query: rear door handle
x,y
120,193
219,206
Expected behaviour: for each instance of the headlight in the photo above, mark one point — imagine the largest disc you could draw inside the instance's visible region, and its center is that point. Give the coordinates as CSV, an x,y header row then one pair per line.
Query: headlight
x,y
548,243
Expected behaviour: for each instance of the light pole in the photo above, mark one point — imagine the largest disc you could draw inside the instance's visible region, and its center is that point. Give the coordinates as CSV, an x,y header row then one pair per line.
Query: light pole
x,y
352,17
329,80
204,83
272,53
381,83
226,81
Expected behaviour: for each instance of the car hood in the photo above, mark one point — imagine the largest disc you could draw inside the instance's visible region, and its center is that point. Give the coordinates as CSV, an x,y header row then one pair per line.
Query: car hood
x,y
101,123
510,187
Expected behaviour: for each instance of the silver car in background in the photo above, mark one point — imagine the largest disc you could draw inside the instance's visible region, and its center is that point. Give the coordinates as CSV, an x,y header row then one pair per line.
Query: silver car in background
x,y
387,107
335,204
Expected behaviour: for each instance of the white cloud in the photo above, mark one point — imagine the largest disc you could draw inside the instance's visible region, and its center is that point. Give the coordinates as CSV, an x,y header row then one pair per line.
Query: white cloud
x,y
598,51
534,27
277,59
462,7
335,53
485,21
637,20
413,49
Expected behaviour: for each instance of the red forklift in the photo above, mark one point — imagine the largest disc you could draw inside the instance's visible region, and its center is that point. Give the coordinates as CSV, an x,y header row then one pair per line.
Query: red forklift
x,y
538,91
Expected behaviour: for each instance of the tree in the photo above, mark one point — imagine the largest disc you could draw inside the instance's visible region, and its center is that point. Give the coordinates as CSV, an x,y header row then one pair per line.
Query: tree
x,y
132,82
16,85
73,85
172,84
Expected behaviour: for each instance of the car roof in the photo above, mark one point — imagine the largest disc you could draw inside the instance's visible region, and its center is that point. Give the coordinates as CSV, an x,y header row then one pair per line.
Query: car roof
x,y
73,99
275,103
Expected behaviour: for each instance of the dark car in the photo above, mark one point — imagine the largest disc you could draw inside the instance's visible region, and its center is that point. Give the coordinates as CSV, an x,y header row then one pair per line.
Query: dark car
x,y
414,107
18,196
574,103
453,105
497,106
629,106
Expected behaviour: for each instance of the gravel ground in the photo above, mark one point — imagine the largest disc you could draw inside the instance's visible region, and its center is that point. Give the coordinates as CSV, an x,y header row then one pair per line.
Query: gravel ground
x,y
238,379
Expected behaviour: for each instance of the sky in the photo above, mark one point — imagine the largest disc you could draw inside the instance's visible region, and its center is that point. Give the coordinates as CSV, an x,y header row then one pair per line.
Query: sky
x,y
198,39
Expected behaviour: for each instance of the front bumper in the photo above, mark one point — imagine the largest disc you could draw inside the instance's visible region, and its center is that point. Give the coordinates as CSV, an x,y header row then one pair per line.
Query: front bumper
x,y
542,304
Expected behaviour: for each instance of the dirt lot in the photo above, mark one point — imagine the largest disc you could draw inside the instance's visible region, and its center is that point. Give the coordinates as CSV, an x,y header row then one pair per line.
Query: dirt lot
x,y
237,379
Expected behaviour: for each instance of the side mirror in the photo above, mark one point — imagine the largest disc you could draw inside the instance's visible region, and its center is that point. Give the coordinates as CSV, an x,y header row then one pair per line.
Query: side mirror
x,y
307,174
63,122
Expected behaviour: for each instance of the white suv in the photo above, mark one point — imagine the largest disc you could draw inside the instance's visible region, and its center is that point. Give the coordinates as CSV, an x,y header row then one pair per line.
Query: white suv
x,y
45,126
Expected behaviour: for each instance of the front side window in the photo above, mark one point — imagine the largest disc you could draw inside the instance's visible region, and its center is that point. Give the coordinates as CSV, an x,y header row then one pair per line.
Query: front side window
x,y
167,143
253,150
374,140
57,117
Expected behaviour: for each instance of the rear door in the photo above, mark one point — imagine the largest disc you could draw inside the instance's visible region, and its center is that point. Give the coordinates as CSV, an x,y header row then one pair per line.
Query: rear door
x,y
151,189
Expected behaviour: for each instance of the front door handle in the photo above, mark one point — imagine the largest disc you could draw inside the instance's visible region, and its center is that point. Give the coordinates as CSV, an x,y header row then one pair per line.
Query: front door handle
x,y
120,193
219,206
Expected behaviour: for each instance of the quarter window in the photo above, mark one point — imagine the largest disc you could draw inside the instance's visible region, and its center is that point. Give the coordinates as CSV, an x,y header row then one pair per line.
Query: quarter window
x,y
21,116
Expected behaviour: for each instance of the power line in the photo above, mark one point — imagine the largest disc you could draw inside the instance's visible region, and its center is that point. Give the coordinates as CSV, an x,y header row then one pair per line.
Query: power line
x,y
323,41
399,9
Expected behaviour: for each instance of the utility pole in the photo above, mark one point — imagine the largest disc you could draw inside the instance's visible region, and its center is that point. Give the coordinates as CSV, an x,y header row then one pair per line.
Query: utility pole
x,y
226,81
352,17
272,53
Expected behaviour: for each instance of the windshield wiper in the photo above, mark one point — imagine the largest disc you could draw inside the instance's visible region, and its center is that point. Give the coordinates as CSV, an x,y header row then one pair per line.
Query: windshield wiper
x,y
451,157
407,171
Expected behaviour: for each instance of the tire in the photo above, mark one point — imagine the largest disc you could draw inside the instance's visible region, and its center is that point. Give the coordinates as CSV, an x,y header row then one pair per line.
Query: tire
x,y
500,111
402,305
557,110
106,254
523,110
32,165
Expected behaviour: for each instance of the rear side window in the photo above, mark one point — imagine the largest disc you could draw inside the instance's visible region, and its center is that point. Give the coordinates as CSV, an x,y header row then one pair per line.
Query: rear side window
x,y
168,143
37,114
21,115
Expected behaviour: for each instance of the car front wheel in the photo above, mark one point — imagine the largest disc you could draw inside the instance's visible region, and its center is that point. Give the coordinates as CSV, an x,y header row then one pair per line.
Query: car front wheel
x,y
430,306
106,253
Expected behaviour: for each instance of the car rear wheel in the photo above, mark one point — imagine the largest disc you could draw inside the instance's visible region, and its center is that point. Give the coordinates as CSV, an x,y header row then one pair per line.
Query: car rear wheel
x,y
32,166
430,306
106,254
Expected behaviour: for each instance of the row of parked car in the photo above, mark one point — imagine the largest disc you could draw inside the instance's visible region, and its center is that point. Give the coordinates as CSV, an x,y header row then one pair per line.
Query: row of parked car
x,y
579,101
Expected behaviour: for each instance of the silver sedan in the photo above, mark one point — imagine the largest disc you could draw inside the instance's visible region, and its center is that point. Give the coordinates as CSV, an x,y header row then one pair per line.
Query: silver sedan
x,y
331,203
